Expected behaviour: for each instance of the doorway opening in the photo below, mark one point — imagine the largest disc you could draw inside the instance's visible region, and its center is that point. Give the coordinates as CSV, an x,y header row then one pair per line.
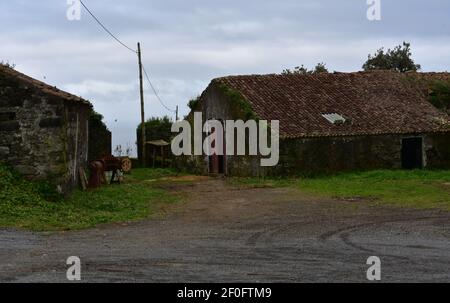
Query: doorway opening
x,y
217,161
412,153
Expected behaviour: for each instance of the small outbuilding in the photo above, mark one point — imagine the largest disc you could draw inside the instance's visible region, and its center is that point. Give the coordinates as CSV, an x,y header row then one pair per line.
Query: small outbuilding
x,y
44,131
331,122
158,153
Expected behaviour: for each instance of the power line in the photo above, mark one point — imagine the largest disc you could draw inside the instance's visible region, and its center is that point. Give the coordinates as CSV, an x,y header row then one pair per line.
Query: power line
x,y
155,92
104,27
129,48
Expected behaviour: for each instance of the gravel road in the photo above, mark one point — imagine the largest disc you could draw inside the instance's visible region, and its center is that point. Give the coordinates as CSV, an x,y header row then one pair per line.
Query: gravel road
x,y
222,233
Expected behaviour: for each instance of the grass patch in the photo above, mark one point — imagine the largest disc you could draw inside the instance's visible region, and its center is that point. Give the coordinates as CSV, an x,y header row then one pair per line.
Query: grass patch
x,y
416,189
145,174
261,182
33,206
422,189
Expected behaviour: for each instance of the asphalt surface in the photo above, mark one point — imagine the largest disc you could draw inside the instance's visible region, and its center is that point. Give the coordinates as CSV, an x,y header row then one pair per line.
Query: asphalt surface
x,y
226,234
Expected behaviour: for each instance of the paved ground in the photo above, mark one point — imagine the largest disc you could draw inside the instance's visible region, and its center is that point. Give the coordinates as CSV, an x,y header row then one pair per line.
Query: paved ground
x,y
226,234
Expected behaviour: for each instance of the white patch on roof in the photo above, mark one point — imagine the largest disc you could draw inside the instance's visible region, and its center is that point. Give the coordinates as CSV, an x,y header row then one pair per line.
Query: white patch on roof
x,y
334,118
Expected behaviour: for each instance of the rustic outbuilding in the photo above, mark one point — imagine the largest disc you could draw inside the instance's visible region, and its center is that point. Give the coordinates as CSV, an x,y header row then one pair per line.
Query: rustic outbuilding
x,y
44,131
331,122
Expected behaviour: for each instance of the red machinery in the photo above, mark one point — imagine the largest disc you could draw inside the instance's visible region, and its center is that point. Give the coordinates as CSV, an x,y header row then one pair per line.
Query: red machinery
x,y
108,164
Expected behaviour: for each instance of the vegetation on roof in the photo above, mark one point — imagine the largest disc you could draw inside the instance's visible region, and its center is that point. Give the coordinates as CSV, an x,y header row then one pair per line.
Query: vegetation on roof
x,y
7,64
302,70
437,91
439,94
238,102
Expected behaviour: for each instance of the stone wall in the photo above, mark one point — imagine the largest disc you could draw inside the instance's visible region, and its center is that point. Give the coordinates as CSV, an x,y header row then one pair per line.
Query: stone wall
x,y
315,156
437,151
335,154
311,156
212,105
43,136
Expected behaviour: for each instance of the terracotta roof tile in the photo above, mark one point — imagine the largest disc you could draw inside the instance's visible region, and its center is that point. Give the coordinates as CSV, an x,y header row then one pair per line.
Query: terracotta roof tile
x,y
379,102
45,88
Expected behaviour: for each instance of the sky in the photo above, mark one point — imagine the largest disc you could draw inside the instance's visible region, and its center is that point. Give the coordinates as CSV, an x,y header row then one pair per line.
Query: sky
x,y
187,43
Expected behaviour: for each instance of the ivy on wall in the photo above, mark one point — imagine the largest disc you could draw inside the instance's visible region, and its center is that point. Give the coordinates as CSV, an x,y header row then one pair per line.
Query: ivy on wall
x,y
238,102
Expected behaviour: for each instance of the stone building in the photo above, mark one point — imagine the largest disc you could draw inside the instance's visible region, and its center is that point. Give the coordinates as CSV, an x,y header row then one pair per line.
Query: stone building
x,y
43,131
332,122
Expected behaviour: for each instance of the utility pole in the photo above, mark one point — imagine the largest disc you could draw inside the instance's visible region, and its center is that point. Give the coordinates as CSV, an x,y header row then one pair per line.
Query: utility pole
x,y
143,139
176,117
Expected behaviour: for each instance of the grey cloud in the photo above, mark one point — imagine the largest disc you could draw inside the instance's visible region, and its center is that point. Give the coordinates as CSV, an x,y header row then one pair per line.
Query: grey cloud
x,y
187,43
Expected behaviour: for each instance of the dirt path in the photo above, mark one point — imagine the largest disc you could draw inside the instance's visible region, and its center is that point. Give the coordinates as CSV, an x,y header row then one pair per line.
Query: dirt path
x,y
226,234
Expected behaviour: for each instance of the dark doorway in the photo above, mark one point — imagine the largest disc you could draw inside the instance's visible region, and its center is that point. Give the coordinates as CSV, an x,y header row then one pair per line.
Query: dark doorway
x,y
412,155
217,162
221,164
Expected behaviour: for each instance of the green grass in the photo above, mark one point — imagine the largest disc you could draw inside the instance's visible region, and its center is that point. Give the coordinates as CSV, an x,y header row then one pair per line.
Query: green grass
x,y
422,189
416,189
33,206
261,182
153,173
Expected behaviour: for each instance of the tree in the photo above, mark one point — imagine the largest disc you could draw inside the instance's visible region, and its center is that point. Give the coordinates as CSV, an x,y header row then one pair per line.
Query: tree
x,y
194,103
100,135
157,128
397,59
302,70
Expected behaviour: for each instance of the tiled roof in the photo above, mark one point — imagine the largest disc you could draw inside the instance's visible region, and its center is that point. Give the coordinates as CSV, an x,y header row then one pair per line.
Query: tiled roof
x,y
43,87
379,102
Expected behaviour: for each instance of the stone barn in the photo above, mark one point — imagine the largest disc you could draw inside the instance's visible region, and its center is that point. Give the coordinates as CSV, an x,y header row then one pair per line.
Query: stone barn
x,y
332,122
43,131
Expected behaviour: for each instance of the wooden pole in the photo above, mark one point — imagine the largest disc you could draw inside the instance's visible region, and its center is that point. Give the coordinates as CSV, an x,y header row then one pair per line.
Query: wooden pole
x,y
143,139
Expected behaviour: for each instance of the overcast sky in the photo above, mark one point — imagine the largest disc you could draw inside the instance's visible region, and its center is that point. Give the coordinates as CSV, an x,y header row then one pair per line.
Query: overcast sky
x,y
188,43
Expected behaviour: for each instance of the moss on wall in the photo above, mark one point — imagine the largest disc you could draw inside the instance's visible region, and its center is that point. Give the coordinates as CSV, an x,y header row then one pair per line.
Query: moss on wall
x,y
438,150
239,105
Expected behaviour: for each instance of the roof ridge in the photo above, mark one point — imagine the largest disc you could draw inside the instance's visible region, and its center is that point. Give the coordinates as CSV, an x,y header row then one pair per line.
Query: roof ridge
x,y
374,102
294,75
385,71
41,85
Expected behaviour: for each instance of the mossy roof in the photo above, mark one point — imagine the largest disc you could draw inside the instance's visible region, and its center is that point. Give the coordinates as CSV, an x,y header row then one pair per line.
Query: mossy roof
x,y
378,102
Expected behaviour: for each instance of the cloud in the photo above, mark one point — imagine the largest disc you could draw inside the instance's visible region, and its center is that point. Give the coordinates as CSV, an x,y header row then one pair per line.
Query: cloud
x,y
187,43
101,88
239,28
